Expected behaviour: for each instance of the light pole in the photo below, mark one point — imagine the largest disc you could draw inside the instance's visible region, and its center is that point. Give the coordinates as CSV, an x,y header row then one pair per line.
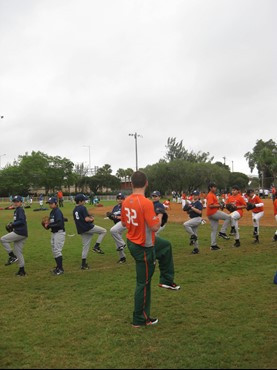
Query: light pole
x,y
136,135
2,155
89,161
232,166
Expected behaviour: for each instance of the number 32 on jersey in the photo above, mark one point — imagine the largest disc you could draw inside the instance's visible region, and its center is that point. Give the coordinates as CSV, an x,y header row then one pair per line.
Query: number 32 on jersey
x,y
131,216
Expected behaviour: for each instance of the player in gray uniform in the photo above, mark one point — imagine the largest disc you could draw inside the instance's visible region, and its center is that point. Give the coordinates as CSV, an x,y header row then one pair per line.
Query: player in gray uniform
x,y
56,224
118,229
86,228
18,236
191,226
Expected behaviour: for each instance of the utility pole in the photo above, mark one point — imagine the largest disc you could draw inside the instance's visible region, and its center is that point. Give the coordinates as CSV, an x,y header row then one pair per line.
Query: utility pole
x,y
89,159
2,155
135,135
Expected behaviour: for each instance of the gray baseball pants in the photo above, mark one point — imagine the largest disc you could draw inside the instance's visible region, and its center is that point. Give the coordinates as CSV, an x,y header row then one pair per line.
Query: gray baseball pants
x,y
57,243
86,238
191,227
256,220
116,232
18,241
235,216
219,215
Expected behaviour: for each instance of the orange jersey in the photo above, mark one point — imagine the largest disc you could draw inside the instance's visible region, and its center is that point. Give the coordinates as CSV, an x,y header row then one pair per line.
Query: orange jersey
x,y
256,200
60,194
275,207
166,203
238,201
211,200
139,217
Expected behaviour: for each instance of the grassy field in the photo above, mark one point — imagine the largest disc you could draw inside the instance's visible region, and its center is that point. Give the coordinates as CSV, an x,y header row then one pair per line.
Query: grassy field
x,y
225,315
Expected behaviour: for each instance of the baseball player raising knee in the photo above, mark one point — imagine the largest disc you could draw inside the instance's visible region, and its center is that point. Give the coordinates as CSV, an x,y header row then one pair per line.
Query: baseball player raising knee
x,y
235,204
195,213
257,212
17,235
118,229
159,208
86,228
214,215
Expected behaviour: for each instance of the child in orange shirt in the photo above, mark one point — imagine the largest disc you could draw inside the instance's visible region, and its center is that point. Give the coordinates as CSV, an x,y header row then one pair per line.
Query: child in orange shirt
x,y
257,212
275,215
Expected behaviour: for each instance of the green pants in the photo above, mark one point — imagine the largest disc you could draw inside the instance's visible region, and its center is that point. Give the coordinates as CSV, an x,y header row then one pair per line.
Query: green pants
x,y
164,255
145,267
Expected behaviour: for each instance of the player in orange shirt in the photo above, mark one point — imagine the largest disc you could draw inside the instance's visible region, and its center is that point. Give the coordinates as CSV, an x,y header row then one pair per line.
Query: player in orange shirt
x,y
237,200
275,215
214,214
257,212
139,217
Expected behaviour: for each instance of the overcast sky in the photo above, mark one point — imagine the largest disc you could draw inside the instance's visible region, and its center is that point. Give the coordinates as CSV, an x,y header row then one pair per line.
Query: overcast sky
x,y
87,72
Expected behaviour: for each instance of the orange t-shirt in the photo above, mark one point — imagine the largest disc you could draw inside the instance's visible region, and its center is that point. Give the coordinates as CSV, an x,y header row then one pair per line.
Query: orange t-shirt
x,y
275,207
256,200
211,200
60,194
139,216
238,201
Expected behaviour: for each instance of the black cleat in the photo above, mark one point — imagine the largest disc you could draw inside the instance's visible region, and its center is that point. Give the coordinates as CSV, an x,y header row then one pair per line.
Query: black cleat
x,y
98,250
85,267
223,236
237,243
11,260
215,248
21,273
195,251
274,239
58,272
122,260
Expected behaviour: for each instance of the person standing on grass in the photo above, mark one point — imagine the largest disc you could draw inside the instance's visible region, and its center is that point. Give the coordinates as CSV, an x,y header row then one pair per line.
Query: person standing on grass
x,y
275,215
86,228
139,217
214,215
56,224
18,236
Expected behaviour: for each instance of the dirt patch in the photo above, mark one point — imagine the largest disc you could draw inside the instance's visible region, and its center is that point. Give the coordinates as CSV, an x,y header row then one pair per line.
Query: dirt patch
x,y
176,214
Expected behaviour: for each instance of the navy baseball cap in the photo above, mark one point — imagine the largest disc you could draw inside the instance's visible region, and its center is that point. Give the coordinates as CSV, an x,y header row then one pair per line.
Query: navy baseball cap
x,y
80,198
196,192
120,196
17,198
156,193
52,200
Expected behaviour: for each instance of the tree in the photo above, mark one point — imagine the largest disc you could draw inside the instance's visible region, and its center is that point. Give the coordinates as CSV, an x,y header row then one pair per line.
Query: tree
x,y
264,157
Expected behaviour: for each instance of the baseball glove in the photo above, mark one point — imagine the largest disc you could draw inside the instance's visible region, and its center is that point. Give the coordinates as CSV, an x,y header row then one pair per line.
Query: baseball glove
x,y
160,210
231,207
45,222
9,227
187,207
110,215
250,206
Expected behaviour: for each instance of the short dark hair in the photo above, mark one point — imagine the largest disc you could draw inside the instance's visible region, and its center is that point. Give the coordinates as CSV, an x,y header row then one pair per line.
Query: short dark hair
x,y
138,179
235,187
212,185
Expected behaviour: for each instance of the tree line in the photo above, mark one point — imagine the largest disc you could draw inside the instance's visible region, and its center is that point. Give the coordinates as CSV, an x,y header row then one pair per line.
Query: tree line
x,y
179,170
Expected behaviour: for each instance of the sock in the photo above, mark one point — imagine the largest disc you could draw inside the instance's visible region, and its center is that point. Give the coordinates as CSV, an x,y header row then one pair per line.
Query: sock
x,y
60,262
255,230
11,254
84,260
96,245
56,259
21,269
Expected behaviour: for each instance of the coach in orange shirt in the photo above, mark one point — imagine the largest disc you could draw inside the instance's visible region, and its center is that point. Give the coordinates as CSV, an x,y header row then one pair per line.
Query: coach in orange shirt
x,y
139,217
214,214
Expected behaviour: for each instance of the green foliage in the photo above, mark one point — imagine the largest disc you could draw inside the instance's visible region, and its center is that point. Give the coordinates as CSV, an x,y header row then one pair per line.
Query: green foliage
x,y
238,178
264,158
176,150
103,179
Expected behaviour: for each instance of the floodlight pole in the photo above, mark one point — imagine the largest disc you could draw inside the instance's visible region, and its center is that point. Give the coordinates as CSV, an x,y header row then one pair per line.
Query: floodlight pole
x,y
88,146
136,135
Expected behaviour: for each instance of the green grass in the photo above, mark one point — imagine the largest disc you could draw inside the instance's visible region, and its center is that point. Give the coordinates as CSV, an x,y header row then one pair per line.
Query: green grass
x,y
223,317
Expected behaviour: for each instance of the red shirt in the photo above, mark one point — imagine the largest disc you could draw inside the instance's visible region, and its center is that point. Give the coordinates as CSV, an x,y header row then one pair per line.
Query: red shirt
x,y
256,200
211,200
139,217
238,201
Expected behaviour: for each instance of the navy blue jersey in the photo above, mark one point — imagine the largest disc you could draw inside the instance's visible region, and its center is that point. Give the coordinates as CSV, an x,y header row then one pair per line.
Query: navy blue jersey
x,y
197,205
56,220
157,204
19,222
79,214
117,212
